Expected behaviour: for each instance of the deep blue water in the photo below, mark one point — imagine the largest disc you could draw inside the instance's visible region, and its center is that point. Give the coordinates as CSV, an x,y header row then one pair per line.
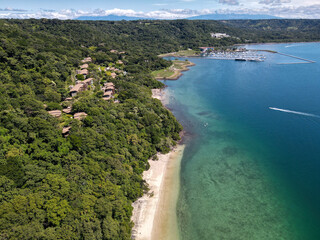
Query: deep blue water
x,y
250,172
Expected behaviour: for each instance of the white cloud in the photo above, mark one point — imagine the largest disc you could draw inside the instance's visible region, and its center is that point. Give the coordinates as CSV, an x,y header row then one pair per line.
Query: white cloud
x,y
229,2
12,10
311,11
274,2
160,4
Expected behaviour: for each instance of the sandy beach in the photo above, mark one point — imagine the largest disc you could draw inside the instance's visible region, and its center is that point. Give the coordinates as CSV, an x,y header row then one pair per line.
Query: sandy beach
x,y
154,214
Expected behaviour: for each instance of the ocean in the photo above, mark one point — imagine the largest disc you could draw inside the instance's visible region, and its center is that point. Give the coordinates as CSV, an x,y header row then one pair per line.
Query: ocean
x,y
251,167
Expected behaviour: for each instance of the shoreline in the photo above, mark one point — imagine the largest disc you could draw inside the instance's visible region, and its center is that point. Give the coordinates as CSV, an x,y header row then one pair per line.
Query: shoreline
x,y
269,43
177,73
154,214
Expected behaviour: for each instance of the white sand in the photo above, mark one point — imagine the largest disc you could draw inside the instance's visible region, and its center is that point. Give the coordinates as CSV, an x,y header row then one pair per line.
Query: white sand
x,y
165,225
154,213
158,94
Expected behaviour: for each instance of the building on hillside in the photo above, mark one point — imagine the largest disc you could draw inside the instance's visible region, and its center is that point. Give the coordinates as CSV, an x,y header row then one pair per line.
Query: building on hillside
x,y
67,110
84,72
107,95
108,90
219,35
86,60
80,115
55,113
81,86
77,88
113,75
65,131
107,84
119,62
113,51
88,82
84,66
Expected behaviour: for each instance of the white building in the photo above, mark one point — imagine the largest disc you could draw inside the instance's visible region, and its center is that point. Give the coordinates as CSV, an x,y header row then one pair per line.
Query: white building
x,y
219,35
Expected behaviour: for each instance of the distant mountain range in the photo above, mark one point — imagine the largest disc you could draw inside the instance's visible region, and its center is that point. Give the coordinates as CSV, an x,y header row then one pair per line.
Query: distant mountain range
x,y
232,16
200,17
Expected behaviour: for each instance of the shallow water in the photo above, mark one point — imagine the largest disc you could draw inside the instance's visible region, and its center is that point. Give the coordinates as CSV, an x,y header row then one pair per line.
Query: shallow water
x,y
250,172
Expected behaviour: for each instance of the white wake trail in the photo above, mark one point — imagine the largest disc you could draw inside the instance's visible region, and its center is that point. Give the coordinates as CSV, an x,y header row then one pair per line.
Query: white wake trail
x,y
291,46
295,112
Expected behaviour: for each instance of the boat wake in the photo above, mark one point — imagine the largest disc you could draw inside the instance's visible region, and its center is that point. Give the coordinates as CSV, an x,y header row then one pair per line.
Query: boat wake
x,y
295,112
291,46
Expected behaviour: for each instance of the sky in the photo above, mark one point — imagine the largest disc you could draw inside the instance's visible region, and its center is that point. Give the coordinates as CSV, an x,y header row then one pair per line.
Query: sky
x,y
161,9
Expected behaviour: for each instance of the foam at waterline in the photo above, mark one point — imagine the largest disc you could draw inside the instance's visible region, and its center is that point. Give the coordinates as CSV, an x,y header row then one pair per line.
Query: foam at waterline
x,y
295,112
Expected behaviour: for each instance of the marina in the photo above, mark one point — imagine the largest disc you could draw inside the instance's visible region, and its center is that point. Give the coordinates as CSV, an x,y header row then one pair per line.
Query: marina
x,y
251,56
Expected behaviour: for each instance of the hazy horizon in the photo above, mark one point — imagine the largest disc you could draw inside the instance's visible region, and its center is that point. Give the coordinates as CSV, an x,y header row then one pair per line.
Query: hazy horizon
x,y
166,9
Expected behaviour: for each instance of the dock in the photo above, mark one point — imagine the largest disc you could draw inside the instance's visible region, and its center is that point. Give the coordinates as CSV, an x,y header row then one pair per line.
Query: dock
x,y
250,56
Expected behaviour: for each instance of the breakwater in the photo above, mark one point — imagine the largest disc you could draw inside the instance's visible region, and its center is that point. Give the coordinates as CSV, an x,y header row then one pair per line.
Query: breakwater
x,y
303,59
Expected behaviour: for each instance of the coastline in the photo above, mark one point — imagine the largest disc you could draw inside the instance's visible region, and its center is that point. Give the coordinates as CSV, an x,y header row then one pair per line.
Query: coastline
x,y
177,72
154,214
271,43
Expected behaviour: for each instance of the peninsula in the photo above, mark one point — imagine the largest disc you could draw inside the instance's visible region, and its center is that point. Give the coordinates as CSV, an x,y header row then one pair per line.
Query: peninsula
x,y
174,71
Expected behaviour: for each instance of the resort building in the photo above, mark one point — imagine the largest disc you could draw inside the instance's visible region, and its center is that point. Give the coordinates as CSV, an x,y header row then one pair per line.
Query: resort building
x,y
87,82
108,90
84,72
113,75
86,60
65,131
219,35
77,88
67,110
84,66
107,96
80,115
81,86
55,113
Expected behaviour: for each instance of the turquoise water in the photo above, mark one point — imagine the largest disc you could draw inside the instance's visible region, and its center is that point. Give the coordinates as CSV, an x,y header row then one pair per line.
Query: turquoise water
x,y
250,172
